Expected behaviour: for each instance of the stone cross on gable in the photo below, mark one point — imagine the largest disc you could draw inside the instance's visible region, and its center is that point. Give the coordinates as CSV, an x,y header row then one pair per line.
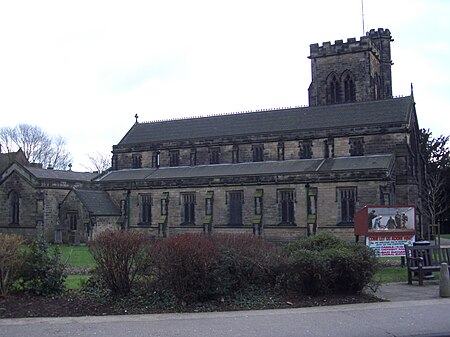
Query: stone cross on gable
x,y
136,116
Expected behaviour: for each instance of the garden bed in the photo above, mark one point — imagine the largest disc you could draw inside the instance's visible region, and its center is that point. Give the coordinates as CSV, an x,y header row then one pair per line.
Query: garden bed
x,y
73,304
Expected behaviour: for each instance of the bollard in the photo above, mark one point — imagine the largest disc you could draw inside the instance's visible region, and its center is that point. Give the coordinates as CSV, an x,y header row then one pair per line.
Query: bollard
x,y
444,282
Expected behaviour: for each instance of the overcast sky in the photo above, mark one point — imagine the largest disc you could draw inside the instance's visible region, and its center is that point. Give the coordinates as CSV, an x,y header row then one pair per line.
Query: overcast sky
x,y
83,69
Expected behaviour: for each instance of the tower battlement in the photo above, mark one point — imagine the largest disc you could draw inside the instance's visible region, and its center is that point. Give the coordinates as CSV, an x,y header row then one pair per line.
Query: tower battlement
x,y
352,45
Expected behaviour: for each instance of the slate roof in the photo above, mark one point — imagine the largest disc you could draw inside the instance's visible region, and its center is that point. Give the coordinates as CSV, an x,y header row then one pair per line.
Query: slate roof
x,y
395,110
8,158
373,162
41,173
97,202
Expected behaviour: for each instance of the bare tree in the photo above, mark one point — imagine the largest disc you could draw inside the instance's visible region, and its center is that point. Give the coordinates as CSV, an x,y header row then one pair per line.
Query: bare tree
x,y
435,196
99,162
37,145
436,200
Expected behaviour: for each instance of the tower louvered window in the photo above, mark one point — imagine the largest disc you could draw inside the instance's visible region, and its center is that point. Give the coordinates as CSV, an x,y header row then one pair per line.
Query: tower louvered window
x,y
333,96
349,89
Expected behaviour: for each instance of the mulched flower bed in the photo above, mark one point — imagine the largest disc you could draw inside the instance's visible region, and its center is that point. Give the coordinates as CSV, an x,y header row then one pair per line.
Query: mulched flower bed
x,y
74,304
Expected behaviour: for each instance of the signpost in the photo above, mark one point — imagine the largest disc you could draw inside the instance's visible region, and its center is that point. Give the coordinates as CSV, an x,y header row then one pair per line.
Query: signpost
x,y
386,228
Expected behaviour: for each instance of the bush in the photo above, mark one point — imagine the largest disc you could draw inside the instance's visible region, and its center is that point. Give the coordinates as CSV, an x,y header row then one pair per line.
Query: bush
x,y
10,261
197,267
352,267
317,243
307,272
184,265
120,256
245,261
42,272
327,264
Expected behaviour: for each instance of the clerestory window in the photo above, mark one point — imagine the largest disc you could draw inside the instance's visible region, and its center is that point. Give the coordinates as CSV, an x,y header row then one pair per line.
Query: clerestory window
x,y
305,151
258,152
356,146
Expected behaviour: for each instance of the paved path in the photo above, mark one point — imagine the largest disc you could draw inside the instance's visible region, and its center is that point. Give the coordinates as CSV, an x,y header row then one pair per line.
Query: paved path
x,y
418,318
413,311
402,291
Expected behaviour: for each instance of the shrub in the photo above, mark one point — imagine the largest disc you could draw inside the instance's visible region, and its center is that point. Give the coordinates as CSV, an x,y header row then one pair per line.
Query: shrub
x,y
184,265
42,272
10,261
317,243
307,272
245,261
198,267
352,267
327,264
120,256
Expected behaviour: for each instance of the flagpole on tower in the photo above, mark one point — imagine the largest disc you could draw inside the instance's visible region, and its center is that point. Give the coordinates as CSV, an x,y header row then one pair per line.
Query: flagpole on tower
x,y
362,14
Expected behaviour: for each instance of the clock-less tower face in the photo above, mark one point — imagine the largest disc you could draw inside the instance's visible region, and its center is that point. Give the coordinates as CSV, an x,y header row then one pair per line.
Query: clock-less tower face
x,y
351,71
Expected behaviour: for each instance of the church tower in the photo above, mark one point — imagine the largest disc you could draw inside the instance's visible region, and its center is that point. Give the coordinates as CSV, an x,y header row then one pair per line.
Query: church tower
x,y
351,71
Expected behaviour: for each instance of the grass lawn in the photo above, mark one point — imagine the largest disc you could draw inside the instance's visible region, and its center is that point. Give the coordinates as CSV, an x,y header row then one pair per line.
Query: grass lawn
x,y
395,274
391,274
446,236
76,256
74,282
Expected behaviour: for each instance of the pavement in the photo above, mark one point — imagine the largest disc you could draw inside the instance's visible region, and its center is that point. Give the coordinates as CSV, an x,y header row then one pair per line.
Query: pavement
x,y
402,291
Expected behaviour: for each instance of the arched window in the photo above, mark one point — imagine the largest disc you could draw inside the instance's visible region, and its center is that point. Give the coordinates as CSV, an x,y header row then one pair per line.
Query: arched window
x,y
333,90
349,89
13,207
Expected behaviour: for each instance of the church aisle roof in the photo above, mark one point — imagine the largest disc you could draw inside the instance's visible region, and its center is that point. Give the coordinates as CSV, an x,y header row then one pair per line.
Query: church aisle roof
x,y
373,162
97,202
396,110
41,173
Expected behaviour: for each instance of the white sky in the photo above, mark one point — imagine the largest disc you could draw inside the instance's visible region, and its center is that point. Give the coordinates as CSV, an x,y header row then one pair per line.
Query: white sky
x,y
83,69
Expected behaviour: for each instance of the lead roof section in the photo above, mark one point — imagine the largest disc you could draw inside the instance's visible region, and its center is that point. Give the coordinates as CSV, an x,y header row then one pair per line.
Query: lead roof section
x,y
374,162
361,114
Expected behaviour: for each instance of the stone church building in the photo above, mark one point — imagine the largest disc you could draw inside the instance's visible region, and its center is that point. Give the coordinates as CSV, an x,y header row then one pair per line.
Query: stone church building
x,y
280,174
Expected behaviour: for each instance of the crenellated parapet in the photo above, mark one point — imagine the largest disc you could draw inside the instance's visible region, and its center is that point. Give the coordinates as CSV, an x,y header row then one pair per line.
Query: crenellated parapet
x,y
352,45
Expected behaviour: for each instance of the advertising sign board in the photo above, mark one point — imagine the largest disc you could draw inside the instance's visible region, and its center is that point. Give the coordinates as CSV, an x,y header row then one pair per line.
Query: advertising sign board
x,y
386,228
391,245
